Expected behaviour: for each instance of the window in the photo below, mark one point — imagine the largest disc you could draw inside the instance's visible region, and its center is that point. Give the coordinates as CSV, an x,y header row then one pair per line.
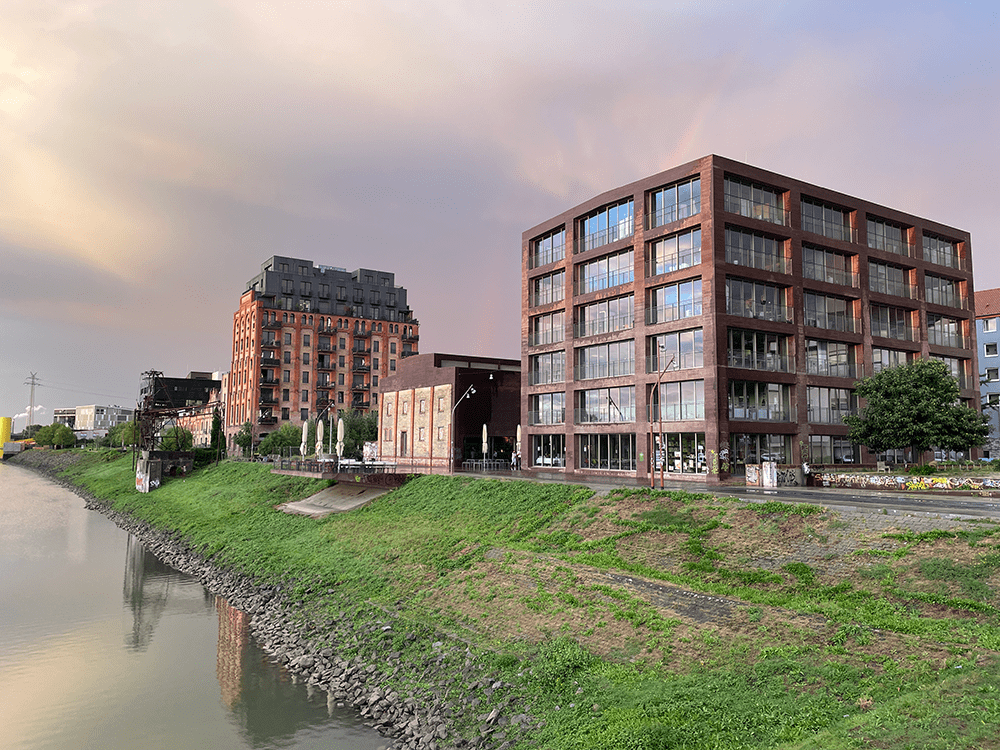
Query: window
x,y
674,252
989,325
374,380
305,395
306,340
342,343
889,279
762,402
607,452
284,413
681,452
547,408
342,293
304,414
324,291
990,350
543,290
305,288
392,365
674,202
830,405
303,270
374,363
422,434
406,407
287,356
305,377
755,250
891,322
606,225
832,313
679,401
944,331
681,350
375,345
288,339
286,376
830,358
830,266
340,397
757,350
284,394
548,248
754,201
423,406
992,374
825,219
941,291
340,378
941,251
287,286
402,443
606,272
993,399
956,368
885,358
547,368
882,235
392,347
832,449
305,358
752,448
755,299
610,360
616,314
548,450
441,403
674,302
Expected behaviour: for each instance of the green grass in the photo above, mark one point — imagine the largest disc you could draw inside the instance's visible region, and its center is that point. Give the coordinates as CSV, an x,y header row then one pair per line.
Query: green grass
x,y
773,687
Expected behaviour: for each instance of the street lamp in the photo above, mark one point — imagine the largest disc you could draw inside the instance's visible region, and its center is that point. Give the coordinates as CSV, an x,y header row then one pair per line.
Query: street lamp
x,y
470,391
659,414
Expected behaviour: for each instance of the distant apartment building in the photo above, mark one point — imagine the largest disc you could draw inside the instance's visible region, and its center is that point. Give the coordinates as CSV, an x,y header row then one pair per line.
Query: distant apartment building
x,y
988,341
92,420
311,339
716,315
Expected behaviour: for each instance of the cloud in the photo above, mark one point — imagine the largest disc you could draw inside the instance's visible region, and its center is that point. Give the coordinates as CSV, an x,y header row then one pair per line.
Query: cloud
x,y
38,410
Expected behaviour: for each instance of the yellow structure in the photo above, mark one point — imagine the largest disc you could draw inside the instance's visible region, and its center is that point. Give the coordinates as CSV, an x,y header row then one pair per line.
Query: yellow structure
x,y
6,423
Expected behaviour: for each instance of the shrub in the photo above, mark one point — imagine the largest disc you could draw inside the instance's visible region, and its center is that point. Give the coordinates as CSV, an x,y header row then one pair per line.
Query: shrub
x,y
922,470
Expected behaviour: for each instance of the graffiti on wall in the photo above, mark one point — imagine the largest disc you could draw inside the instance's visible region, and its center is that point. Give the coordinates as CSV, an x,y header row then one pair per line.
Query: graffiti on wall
x,y
753,475
787,477
897,482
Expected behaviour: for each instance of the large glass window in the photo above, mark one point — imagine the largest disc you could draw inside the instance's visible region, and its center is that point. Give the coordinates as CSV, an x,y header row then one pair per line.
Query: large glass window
x,y
606,405
825,219
828,265
674,301
681,350
832,313
548,248
675,252
889,279
547,329
679,401
830,405
832,449
755,201
892,322
605,360
755,250
682,452
832,358
603,273
755,299
762,402
674,202
548,288
606,225
547,368
956,368
941,251
941,291
752,448
944,331
883,235
547,408
758,350
606,316
611,452
548,450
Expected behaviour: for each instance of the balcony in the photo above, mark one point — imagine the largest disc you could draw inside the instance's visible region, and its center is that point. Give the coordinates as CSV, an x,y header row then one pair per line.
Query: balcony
x,y
679,361
834,321
324,347
404,355
267,360
361,368
819,272
325,364
895,288
544,257
359,334
674,212
547,416
761,311
889,245
591,328
360,387
268,381
761,362
605,415
765,262
601,281
666,313
541,338
828,414
947,299
267,399
411,337
604,370
322,402
760,414
359,405
619,231
757,210
677,412
361,349
831,369
945,258
831,229
891,331
267,419
947,338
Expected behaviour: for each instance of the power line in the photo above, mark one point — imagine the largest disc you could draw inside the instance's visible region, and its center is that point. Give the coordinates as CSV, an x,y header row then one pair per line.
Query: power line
x,y
86,393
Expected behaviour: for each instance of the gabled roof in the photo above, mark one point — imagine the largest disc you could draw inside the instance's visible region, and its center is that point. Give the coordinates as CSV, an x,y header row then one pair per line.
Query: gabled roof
x,y
987,303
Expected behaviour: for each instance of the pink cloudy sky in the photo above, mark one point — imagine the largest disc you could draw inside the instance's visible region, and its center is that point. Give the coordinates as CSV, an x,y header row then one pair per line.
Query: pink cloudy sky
x,y
153,153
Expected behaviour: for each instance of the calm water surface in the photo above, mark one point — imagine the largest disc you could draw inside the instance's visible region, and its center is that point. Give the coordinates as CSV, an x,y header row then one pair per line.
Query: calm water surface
x,y
103,646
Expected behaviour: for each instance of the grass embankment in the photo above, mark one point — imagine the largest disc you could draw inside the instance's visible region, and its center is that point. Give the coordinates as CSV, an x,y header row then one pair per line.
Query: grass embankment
x,y
891,645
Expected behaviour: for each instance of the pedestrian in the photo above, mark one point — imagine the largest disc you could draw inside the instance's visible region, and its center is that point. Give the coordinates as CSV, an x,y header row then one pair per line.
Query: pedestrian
x,y
513,461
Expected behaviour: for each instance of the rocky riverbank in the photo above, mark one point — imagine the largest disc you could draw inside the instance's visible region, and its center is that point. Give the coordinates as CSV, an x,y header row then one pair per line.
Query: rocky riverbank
x,y
445,700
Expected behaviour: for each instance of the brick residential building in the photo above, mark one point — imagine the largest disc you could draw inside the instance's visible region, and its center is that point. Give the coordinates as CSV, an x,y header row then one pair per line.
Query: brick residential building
x,y
988,346
725,312
310,339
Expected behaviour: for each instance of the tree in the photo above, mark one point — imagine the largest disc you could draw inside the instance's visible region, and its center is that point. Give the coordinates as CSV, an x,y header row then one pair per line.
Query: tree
x,y
217,437
287,435
124,434
917,406
244,438
176,439
358,429
57,435
43,436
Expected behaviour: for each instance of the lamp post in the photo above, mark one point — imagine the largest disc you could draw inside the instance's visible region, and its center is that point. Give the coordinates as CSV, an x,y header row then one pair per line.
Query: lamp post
x,y
470,391
659,414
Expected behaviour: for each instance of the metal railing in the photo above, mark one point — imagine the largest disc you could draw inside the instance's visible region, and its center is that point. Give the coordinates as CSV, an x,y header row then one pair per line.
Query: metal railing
x,y
679,361
895,288
740,257
815,366
604,415
619,231
760,311
760,414
900,332
545,257
827,414
677,412
833,321
672,213
666,313
547,416
756,210
947,298
830,229
604,370
947,338
603,281
603,325
819,272
541,338
546,296
763,362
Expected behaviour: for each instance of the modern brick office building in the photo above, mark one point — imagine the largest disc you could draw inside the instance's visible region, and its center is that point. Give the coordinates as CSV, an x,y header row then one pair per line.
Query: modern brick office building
x,y
725,312
308,339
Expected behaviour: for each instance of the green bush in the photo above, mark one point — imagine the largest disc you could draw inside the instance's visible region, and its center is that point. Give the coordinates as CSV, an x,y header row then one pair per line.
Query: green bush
x,y
922,470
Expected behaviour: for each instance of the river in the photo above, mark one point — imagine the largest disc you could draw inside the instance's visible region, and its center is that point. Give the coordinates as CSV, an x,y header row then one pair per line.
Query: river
x,y
103,646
